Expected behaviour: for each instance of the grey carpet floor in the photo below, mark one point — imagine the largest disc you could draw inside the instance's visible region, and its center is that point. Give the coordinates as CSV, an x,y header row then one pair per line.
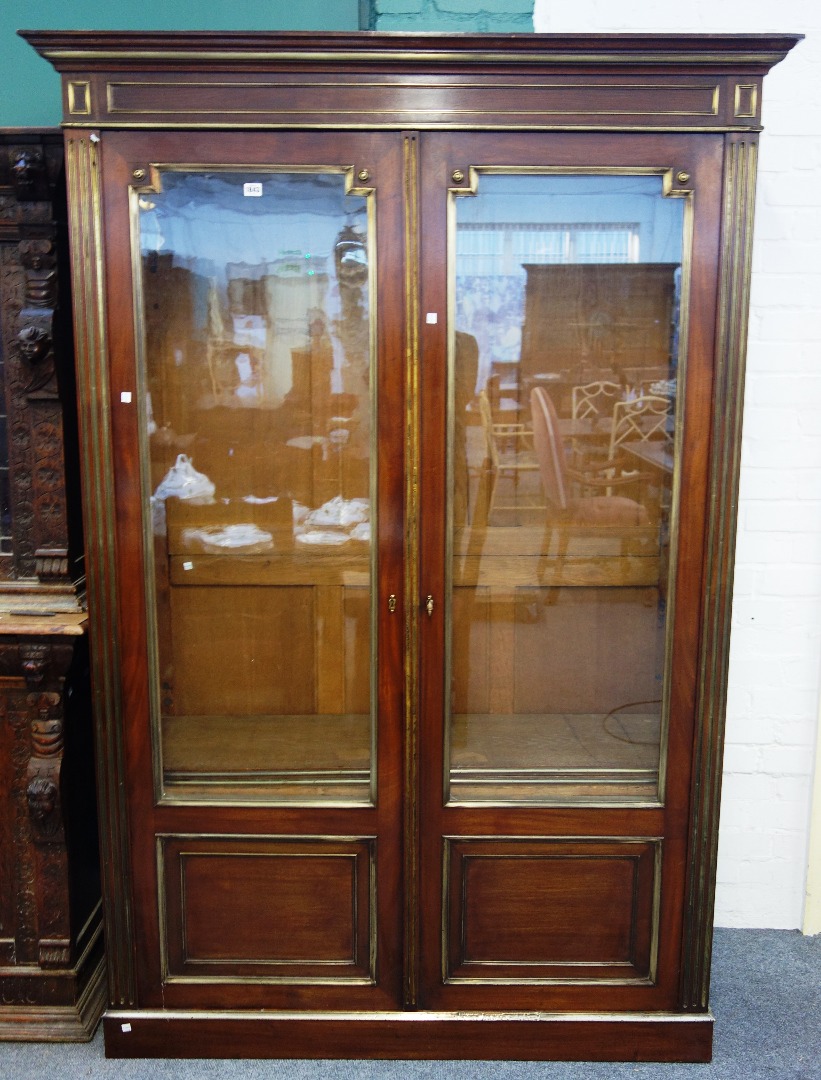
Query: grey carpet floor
x,y
766,997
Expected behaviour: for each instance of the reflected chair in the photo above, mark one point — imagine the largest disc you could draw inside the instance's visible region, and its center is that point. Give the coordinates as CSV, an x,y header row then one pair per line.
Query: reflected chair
x,y
556,476
600,518
509,455
594,399
643,419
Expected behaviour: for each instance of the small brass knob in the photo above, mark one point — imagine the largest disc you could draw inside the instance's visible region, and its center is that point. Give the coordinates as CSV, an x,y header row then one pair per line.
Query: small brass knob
x,y
363,175
457,176
682,177
138,175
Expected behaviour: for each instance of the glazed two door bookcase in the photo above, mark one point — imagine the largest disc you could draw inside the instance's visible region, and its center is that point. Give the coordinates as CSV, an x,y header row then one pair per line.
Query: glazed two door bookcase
x,y
410,377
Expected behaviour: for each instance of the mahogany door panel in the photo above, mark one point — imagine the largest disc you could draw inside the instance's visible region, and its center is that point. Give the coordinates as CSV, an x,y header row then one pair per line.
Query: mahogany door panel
x,y
296,910
548,910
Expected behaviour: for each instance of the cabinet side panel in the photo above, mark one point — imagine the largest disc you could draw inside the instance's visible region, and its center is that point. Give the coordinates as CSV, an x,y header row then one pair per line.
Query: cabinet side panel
x,y
85,225
734,286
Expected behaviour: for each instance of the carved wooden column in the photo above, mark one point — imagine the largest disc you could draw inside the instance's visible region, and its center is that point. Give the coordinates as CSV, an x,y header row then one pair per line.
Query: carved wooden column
x,y
51,947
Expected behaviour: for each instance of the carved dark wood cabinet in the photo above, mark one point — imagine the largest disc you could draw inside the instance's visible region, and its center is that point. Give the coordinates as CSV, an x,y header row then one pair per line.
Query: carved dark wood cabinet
x,y
52,972
410,377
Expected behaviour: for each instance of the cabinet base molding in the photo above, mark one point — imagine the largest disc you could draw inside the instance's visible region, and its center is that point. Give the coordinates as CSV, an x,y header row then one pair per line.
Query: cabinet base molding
x,y
415,1035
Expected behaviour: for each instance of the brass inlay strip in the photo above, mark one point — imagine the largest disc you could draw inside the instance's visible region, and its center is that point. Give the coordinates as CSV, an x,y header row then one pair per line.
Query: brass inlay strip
x,y
351,188
78,96
335,120
670,190
410,152
141,386
408,115
372,55
312,1016
746,100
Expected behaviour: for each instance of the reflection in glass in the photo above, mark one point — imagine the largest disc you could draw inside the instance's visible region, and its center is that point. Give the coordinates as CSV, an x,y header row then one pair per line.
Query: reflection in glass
x,y
257,347
566,297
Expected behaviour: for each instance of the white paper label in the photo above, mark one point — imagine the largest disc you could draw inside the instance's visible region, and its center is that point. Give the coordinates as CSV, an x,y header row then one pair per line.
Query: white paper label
x,y
431,317
254,190
188,566
125,397
126,1028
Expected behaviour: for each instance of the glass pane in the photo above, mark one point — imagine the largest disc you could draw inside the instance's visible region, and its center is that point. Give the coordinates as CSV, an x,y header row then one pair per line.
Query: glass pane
x,y
564,364
257,357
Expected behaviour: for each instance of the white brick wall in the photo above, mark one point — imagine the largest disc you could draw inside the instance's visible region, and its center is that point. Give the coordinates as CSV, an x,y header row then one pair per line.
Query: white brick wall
x,y
774,662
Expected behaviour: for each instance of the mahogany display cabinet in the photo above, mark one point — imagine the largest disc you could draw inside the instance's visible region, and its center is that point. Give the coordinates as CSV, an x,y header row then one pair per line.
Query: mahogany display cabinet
x,y
410,380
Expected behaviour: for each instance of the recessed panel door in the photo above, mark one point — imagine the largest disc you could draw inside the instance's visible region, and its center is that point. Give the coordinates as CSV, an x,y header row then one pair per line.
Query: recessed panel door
x,y
557,634
259,497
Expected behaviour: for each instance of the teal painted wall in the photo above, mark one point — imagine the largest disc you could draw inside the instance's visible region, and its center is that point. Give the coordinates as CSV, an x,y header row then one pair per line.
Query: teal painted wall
x,y
453,16
30,88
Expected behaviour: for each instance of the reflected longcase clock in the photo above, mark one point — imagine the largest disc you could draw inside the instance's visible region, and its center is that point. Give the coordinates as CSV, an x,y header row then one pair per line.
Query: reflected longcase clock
x,y
410,376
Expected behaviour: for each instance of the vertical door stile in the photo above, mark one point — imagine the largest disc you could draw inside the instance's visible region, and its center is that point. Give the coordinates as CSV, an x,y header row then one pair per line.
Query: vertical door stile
x,y
410,158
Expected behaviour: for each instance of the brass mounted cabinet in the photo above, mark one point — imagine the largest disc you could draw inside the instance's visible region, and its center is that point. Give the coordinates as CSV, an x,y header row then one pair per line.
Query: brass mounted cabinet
x,y
410,376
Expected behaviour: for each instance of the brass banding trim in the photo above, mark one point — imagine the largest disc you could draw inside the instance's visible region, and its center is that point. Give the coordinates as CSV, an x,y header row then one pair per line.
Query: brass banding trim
x,y
410,152
422,88
546,58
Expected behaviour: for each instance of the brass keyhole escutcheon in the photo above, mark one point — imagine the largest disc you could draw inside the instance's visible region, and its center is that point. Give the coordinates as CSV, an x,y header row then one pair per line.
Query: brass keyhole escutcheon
x,y
457,176
392,603
429,606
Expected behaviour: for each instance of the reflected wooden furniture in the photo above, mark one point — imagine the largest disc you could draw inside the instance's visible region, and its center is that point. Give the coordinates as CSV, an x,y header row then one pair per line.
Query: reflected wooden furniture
x,y
640,419
657,454
510,461
600,510
575,318
646,419
52,970
487,892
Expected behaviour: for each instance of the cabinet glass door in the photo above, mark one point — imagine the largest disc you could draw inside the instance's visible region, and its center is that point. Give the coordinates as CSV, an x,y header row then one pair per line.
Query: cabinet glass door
x,y
258,486
258,347
564,360
558,647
